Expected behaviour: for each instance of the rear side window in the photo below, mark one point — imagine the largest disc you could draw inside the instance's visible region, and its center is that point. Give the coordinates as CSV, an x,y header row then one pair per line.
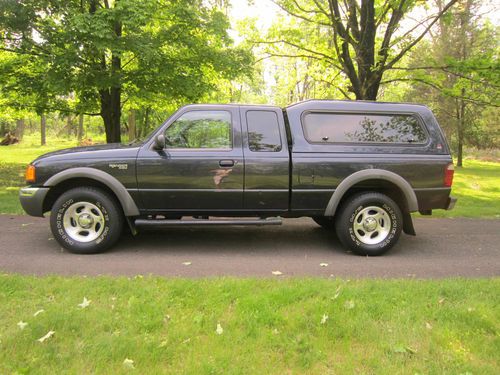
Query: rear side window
x,y
263,131
363,128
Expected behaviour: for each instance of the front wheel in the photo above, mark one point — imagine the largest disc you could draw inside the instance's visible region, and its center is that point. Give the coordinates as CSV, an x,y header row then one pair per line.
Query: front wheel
x,y
86,220
369,223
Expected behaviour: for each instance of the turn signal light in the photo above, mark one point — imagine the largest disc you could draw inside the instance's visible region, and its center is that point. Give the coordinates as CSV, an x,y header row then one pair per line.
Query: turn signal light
x,y
30,175
448,175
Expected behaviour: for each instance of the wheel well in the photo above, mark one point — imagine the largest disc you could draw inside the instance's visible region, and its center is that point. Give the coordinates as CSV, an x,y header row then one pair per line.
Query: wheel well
x,y
379,186
56,191
388,188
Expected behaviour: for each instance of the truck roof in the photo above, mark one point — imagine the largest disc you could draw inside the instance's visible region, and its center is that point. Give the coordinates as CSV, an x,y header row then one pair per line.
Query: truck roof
x,y
349,104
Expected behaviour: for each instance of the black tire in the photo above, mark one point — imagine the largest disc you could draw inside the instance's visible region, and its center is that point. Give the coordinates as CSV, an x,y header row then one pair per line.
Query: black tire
x,y
86,210
325,222
359,214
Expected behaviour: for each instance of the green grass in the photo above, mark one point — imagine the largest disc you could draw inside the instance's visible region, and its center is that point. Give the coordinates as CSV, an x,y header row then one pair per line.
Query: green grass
x,y
477,185
13,161
270,326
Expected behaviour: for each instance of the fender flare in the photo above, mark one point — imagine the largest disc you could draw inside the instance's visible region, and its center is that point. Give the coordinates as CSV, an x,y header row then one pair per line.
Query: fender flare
x,y
126,201
372,174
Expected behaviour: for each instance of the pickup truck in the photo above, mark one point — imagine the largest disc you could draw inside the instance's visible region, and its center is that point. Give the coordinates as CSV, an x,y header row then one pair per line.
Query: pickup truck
x,y
358,169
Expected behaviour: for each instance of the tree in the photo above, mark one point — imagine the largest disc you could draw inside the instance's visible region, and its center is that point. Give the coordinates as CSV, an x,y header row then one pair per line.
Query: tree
x,y
457,72
107,52
362,39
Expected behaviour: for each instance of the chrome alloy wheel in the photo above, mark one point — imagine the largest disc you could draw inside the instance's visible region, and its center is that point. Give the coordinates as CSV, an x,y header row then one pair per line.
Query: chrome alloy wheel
x,y
372,225
83,221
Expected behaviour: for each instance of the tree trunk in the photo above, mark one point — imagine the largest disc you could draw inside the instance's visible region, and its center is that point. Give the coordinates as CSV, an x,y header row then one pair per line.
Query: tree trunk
x,y
43,129
111,113
79,133
111,98
146,121
461,127
131,125
19,129
69,125
460,150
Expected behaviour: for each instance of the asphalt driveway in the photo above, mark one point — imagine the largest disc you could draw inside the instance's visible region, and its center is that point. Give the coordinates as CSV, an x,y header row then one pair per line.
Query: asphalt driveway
x,y
442,248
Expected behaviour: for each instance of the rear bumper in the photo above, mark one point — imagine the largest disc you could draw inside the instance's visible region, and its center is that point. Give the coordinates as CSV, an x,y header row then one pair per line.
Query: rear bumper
x,y
451,203
32,198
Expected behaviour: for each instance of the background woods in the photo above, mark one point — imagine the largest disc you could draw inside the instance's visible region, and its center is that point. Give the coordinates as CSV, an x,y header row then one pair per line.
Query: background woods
x,y
113,69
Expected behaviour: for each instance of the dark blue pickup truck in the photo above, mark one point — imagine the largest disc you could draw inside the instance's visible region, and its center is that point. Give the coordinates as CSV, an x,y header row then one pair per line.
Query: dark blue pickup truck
x,y
356,168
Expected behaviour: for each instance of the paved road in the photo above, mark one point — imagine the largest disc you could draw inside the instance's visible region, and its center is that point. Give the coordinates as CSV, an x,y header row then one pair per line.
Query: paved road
x,y
444,247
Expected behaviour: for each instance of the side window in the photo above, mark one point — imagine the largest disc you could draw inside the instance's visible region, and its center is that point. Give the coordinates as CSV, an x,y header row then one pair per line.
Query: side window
x,y
263,131
362,128
201,129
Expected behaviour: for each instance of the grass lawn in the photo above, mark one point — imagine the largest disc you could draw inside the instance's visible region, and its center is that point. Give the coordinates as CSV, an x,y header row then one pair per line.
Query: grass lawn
x,y
477,185
13,161
269,326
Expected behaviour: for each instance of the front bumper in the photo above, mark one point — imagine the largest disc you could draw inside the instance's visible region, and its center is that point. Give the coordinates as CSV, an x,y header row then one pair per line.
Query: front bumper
x,y
451,203
32,199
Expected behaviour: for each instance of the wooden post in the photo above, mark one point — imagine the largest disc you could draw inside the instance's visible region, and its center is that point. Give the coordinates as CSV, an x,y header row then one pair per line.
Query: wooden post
x,y
79,133
43,129
131,125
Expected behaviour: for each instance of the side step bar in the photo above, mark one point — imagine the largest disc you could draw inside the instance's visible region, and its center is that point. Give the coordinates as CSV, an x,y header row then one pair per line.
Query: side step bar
x,y
186,222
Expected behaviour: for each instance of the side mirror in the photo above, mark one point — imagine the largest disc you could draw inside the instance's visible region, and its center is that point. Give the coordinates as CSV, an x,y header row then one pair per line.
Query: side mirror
x,y
159,143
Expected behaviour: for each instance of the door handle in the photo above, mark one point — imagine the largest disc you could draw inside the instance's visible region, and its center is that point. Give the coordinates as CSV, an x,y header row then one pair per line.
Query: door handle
x,y
226,163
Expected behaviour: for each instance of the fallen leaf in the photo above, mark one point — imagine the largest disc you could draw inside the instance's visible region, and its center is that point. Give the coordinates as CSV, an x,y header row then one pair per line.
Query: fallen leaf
x,y
128,363
47,336
324,319
275,331
163,344
323,264
441,300
349,304
22,324
85,303
186,340
337,293
186,263
404,349
39,312
219,329
277,273
428,325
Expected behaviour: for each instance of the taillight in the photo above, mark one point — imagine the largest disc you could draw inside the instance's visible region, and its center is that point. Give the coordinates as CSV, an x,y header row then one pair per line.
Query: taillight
x,y
30,175
448,175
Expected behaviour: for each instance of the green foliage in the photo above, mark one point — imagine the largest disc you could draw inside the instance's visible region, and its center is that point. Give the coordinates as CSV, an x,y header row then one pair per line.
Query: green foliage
x,y
92,55
457,73
357,43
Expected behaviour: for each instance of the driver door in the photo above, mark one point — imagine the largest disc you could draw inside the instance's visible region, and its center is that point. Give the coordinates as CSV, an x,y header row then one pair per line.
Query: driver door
x,y
202,167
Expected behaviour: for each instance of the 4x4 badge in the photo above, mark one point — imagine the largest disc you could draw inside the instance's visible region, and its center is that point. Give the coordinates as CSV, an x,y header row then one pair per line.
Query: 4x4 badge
x,y
119,166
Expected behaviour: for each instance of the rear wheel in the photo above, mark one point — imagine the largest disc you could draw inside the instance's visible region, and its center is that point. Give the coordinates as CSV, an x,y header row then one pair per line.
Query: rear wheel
x,y
369,223
86,220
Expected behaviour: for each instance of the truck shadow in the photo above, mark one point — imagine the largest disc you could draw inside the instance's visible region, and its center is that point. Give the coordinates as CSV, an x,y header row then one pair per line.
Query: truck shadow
x,y
231,239
286,239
